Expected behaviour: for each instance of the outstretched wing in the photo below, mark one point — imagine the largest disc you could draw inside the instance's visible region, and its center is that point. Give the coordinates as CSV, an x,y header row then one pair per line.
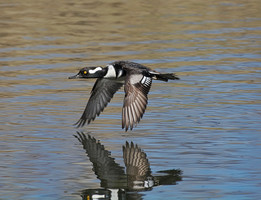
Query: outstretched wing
x,y
136,161
110,173
136,88
101,94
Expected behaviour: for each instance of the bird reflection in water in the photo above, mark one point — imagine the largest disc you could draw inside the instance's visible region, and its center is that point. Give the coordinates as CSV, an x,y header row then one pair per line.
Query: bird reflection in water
x,y
116,182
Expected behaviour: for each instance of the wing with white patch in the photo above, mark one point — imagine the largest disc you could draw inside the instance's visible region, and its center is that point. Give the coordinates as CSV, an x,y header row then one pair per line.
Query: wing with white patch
x,y
101,94
136,88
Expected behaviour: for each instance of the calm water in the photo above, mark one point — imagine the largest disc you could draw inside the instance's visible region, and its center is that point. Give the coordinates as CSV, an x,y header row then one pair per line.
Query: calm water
x,y
207,124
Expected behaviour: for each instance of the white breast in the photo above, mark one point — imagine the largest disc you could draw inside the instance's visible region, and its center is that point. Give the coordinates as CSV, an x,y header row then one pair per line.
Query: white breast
x,y
111,73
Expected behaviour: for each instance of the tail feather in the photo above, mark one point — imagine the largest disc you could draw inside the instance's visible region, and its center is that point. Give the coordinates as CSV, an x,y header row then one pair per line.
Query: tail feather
x,y
166,77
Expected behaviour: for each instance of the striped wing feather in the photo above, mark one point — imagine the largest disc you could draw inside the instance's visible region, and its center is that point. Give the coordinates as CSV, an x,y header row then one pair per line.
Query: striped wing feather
x,y
135,101
135,160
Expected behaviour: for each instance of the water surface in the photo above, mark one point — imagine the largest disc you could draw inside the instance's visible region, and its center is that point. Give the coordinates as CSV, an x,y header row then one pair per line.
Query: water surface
x,y
207,124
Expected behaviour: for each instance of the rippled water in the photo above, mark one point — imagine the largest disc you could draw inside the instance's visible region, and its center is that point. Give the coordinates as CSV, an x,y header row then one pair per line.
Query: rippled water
x,y
207,124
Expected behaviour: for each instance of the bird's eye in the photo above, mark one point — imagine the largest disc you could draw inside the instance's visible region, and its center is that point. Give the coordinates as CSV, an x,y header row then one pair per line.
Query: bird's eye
x,y
85,72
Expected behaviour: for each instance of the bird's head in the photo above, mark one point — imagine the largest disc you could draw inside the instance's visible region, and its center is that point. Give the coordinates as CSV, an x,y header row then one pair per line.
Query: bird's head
x,y
90,72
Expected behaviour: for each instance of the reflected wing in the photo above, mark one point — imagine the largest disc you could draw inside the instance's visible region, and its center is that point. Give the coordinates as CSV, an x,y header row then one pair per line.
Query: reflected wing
x,y
136,161
101,94
136,88
107,170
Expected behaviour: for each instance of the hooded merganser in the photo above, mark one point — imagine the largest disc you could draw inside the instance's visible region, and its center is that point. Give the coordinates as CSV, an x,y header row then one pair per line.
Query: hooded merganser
x,y
137,80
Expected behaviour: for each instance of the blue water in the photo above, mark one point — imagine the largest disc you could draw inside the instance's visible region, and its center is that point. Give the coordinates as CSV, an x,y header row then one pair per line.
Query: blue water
x,y
207,124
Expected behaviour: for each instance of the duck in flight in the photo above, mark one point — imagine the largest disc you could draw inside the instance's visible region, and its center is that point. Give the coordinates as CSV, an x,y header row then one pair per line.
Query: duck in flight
x,y
136,79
